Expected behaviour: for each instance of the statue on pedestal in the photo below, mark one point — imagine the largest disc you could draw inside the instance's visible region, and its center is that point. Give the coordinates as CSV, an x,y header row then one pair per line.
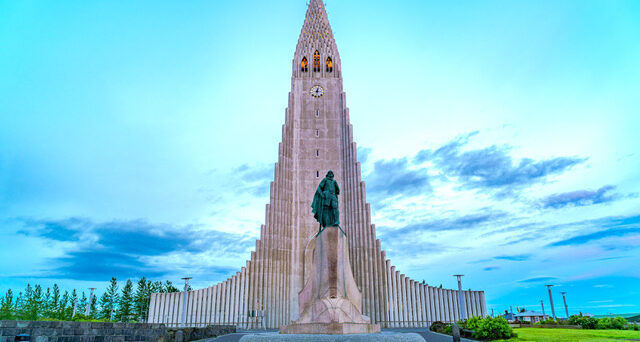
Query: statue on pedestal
x,y
325,202
330,301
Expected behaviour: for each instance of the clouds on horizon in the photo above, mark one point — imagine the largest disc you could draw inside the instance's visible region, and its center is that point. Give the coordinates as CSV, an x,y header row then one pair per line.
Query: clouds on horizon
x,y
128,249
416,230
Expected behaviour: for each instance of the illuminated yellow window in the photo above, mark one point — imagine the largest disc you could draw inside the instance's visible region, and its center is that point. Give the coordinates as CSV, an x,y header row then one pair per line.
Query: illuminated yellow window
x,y
316,61
304,65
329,64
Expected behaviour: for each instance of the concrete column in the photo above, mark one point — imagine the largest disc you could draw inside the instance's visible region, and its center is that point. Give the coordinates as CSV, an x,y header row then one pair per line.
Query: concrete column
x,y
159,308
394,296
224,295
210,306
420,296
176,308
442,313
243,297
410,301
414,303
447,305
407,302
195,315
390,305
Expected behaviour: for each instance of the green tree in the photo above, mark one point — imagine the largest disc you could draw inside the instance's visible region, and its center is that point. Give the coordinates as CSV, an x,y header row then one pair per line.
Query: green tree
x,y
6,306
54,304
73,303
63,307
105,307
124,312
93,309
17,309
141,299
46,304
168,287
33,303
82,304
109,300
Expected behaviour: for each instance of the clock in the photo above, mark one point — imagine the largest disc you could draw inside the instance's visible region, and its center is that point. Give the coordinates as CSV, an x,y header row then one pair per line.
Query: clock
x,y
317,91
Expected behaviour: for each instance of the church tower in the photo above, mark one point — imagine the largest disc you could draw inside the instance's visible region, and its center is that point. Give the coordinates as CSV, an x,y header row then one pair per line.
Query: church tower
x,y
316,137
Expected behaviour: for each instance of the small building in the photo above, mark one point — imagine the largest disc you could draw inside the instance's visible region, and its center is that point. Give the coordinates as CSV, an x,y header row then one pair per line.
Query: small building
x,y
509,316
530,316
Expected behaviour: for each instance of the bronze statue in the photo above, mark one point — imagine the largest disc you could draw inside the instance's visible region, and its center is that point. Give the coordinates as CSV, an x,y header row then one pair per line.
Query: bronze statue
x,y
325,202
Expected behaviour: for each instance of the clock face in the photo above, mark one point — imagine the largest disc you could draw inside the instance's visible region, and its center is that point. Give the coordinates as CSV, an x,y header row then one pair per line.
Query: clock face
x,y
317,91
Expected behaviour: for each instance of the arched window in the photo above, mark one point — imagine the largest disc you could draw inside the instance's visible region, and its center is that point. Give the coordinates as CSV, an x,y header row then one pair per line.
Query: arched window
x,y
329,64
316,61
304,65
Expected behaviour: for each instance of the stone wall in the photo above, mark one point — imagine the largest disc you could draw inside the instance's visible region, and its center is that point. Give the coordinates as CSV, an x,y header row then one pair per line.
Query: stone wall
x,y
49,331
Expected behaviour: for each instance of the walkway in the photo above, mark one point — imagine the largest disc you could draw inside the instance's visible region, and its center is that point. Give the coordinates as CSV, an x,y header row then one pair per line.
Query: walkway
x,y
429,336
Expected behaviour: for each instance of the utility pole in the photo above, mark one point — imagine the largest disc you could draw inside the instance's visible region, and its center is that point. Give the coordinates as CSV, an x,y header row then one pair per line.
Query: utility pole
x,y
553,311
564,299
88,310
461,303
184,301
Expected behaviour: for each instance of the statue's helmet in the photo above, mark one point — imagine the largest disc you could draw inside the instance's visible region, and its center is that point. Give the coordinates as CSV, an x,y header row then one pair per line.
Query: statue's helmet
x,y
330,174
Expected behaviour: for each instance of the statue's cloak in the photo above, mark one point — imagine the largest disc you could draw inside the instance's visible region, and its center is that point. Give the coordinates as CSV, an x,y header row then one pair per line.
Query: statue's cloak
x,y
316,205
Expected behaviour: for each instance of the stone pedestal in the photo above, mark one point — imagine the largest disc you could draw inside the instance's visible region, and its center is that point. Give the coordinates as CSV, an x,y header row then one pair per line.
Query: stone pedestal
x,y
330,302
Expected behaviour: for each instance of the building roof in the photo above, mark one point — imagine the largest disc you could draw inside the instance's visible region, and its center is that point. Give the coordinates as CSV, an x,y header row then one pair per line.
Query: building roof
x,y
530,313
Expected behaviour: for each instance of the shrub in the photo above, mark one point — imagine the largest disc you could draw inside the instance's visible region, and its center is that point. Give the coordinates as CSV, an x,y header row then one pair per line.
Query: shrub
x,y
604,323
618,323
588,323
448,329
473,323
575,319
549,321
491,328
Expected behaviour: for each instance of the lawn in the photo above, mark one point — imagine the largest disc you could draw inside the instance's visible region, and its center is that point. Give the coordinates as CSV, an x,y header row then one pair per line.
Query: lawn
x,y
582,335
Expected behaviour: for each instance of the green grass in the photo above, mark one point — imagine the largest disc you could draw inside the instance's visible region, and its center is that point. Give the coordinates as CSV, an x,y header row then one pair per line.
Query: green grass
x,y
581,335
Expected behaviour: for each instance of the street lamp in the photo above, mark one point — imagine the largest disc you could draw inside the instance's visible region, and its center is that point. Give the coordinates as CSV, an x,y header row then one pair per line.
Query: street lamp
x,y
184,301
553,311
564,299
461,303
543,314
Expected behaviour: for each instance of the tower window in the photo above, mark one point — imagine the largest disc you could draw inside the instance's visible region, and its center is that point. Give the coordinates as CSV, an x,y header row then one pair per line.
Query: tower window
x,y
317,113
317,132
317,153
329,64
304,65
317,174
316,61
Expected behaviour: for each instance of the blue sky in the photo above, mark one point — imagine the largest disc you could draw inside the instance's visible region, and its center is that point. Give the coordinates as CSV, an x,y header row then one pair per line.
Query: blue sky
x,y
498,139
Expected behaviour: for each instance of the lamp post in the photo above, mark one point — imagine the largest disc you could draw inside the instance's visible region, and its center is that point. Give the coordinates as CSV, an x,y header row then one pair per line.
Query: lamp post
x,y
553,311
184,301
461,303
88,310
564,299
543,314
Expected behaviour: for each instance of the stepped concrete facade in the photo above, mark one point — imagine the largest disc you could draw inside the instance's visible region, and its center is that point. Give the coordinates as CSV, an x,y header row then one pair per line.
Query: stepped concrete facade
x,y
316,136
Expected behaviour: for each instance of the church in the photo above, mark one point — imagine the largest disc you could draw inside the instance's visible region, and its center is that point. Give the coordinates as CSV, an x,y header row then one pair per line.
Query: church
x,y
316,137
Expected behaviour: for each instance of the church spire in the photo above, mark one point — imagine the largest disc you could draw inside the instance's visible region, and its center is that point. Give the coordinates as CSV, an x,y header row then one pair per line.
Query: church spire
x,y
317,36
